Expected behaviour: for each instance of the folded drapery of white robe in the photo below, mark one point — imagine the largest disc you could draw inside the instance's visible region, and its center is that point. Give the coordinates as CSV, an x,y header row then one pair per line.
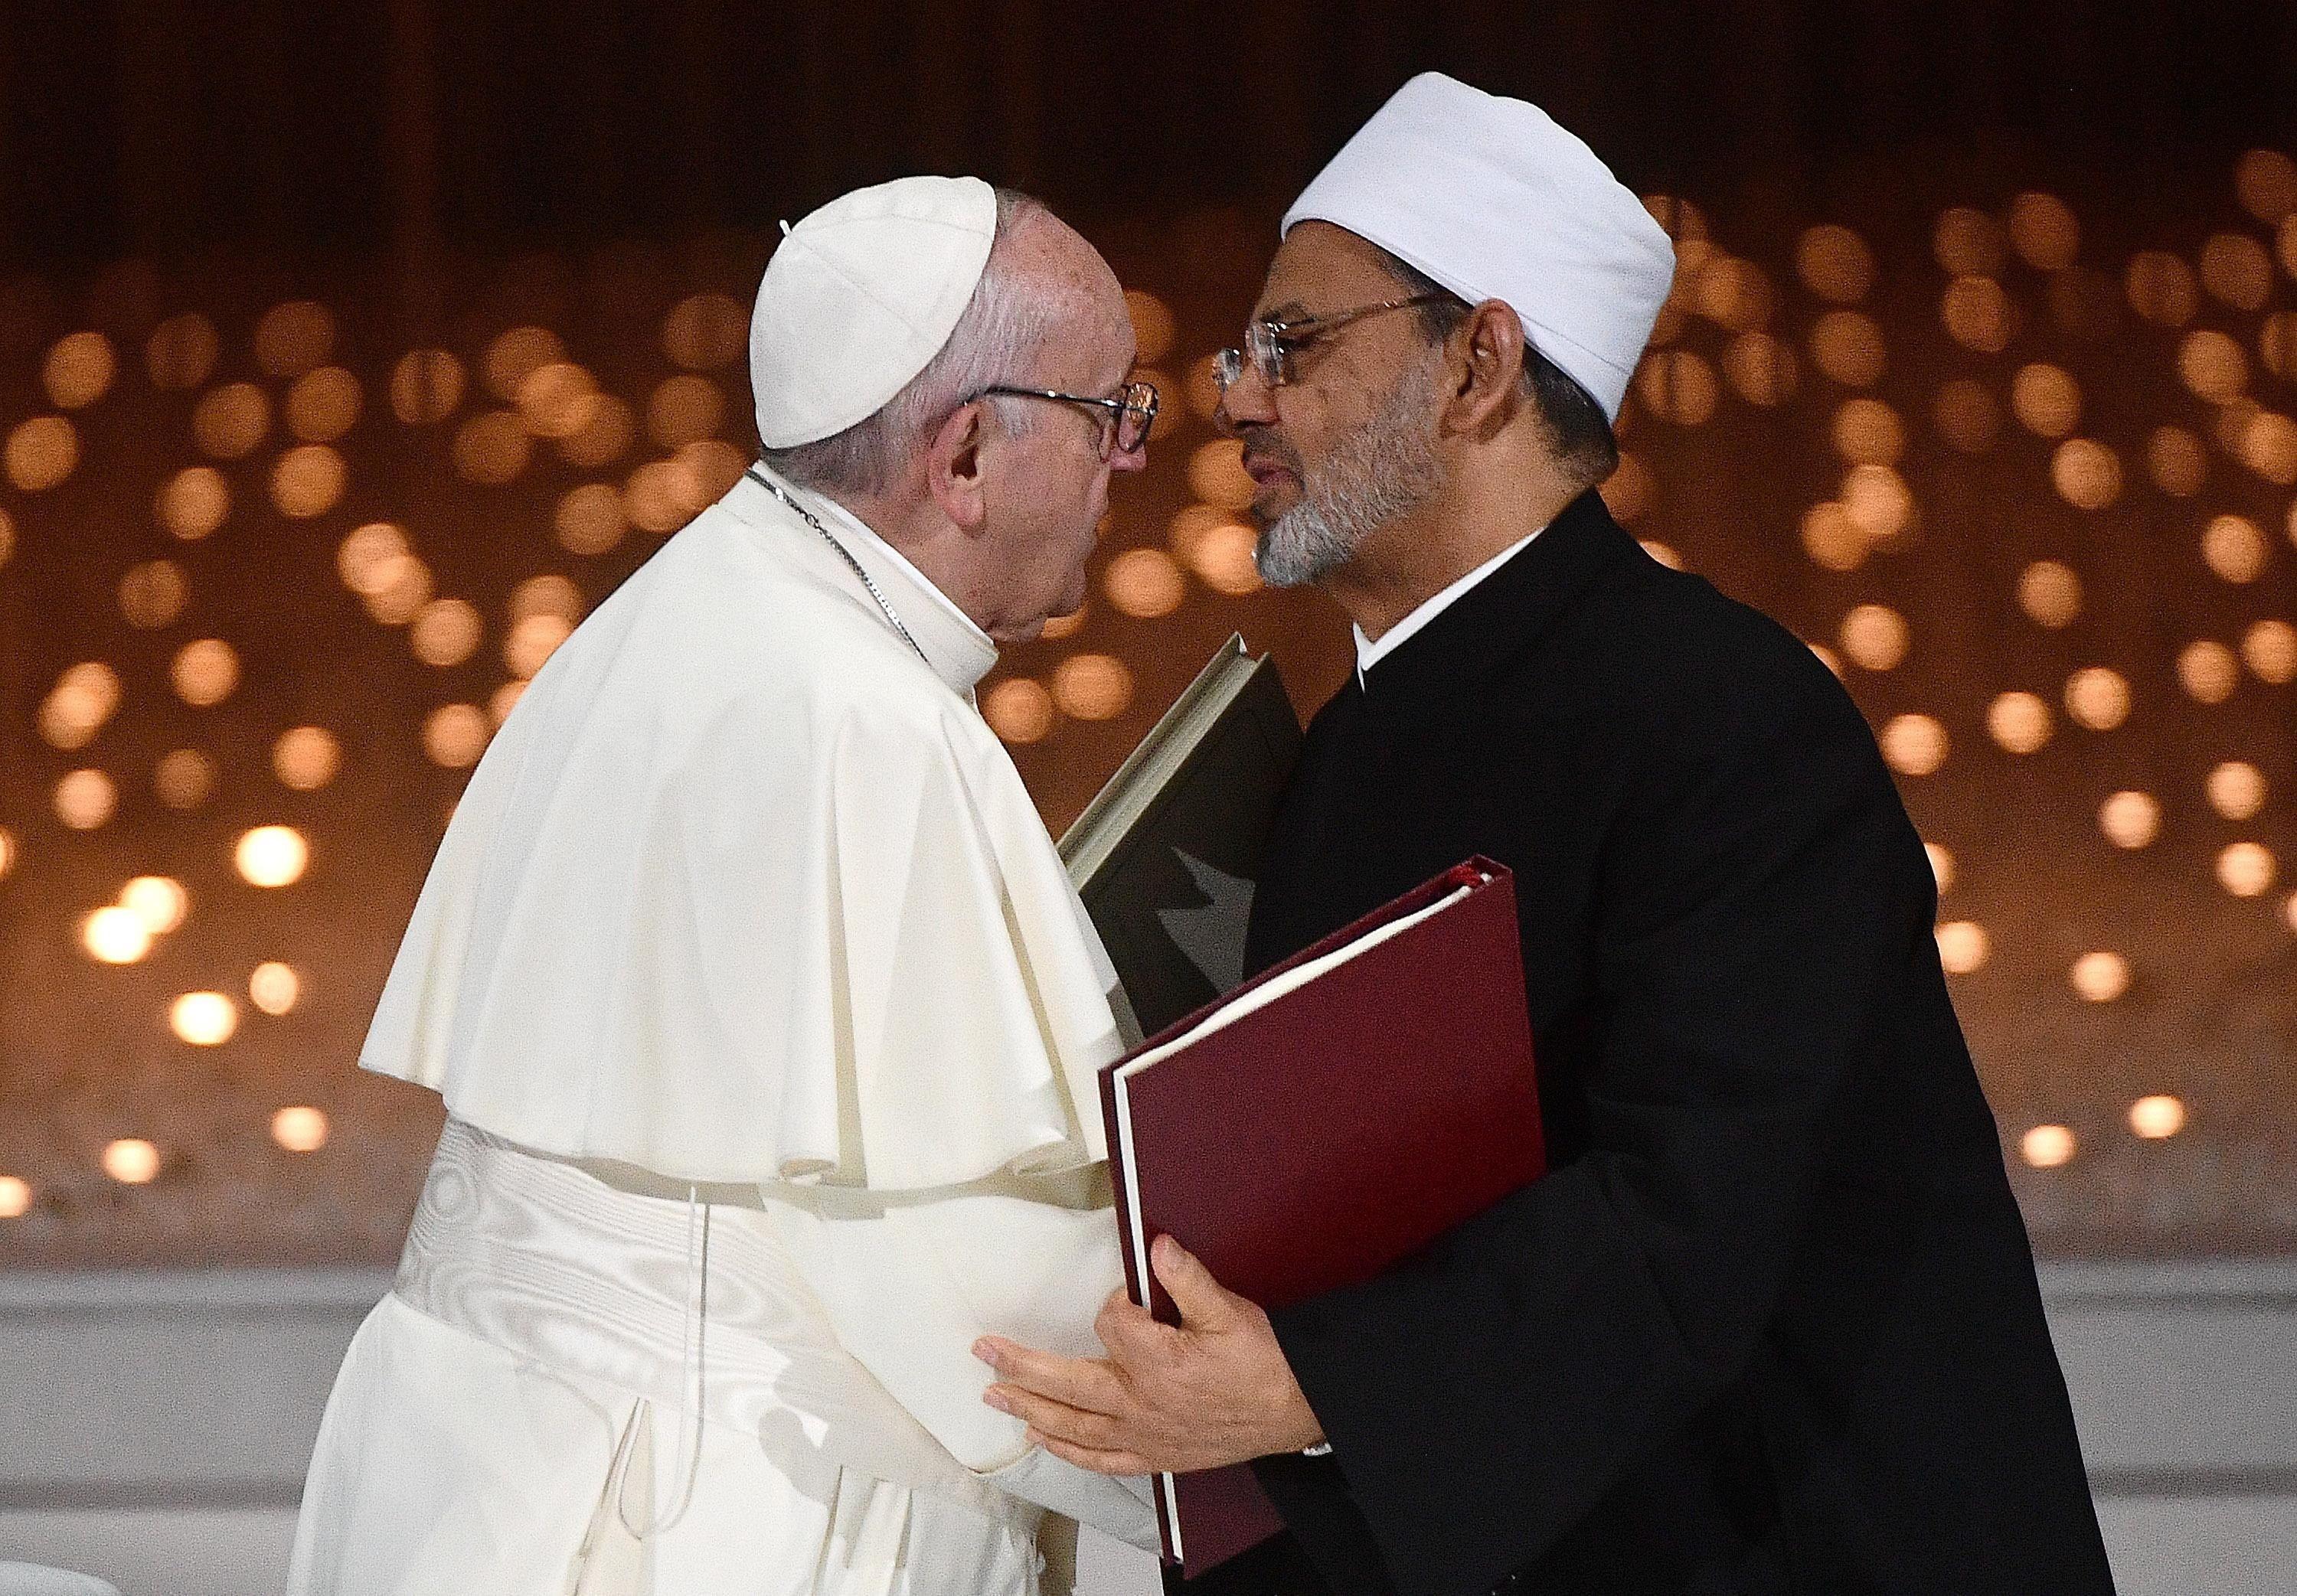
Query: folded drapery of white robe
x,y
586,1384
744,941
745,890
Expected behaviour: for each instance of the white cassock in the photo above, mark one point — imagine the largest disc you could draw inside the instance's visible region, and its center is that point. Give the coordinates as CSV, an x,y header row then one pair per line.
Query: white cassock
x,y
767,1022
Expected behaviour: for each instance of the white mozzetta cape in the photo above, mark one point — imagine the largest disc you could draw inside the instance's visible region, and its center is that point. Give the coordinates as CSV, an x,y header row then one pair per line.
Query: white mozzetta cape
x,y
745,890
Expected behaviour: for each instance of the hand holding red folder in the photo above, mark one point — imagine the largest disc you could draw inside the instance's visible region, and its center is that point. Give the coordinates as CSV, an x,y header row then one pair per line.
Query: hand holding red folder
x,y
1212,1391
1305,1132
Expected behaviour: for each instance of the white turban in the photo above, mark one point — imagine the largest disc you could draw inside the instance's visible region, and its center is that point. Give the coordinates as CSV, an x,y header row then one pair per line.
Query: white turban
x,y
1493,200
860,298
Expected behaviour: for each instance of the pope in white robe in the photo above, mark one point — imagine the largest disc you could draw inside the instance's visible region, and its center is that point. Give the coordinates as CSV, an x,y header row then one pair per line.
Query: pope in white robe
x,y
764,1014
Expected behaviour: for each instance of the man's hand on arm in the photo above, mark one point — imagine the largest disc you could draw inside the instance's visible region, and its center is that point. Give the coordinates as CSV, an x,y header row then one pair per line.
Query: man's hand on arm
x,y
1216,1390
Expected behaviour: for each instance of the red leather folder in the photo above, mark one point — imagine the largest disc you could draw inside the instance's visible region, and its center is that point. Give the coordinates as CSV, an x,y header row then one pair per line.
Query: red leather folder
x,y
1314,1140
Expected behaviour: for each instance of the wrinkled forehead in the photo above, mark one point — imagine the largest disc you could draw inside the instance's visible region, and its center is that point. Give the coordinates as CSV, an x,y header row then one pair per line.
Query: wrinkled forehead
x,y
1321,267
1063,342
1088,332
1091,345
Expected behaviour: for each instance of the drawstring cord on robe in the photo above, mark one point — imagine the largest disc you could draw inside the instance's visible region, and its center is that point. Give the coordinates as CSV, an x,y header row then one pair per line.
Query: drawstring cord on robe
x,y
693,1324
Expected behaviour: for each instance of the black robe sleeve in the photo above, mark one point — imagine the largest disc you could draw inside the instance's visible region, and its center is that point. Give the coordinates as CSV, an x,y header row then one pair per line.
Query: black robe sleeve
x,y
1762,896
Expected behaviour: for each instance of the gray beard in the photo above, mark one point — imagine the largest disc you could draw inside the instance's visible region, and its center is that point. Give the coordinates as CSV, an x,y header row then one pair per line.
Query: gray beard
x,y
1383,471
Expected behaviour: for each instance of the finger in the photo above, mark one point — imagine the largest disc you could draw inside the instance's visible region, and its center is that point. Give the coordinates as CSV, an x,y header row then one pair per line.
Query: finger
x,y
1205,1303
1093,1458
1081,1382
1121,1323
1077,1425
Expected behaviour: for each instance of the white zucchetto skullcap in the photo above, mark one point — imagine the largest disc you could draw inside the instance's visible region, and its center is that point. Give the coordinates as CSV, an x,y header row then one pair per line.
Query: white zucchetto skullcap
x,y
860,297
1493,199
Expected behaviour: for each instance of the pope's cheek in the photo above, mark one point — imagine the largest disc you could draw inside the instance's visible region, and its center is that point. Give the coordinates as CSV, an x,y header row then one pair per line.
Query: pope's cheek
x,y
1097,516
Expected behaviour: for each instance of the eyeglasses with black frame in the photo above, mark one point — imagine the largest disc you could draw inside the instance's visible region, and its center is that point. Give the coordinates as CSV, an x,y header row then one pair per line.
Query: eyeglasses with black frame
x,y
1124,420
1269,344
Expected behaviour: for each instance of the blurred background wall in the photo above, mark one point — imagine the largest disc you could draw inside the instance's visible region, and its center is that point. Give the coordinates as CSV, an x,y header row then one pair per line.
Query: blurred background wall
x,y
351,353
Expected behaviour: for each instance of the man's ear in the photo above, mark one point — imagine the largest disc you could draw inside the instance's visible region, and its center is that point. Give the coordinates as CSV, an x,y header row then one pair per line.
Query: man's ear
x,y
1490,389
953,468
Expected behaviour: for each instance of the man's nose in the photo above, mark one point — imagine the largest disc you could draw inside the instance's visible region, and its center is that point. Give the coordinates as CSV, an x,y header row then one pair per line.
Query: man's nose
x,y
1247,401
1132,459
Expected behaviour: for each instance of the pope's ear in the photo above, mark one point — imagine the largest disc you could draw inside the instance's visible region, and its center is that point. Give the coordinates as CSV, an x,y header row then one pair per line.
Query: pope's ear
x,y
1490,388
953,467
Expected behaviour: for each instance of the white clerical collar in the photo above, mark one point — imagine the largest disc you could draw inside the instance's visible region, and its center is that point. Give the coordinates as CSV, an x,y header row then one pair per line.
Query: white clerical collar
x,y
959,651
1370,652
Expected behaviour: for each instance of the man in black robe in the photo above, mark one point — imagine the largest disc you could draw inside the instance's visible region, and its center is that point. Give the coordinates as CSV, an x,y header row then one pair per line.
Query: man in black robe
x,y
1770,1324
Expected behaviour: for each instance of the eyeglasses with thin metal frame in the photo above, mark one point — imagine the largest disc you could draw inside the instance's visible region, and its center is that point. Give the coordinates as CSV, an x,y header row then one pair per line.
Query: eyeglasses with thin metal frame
x,y
1270,344
1124,420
